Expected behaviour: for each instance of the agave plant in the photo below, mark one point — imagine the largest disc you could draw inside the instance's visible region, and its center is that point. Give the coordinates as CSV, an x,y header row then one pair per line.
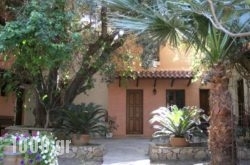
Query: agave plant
x,y
177,122
82,119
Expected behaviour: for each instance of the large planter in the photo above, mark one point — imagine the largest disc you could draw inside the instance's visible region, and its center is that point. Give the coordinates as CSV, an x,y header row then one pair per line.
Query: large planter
x,y
178,142
80,139
11,156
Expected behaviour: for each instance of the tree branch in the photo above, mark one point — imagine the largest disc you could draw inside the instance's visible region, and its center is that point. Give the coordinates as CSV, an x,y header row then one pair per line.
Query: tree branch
x,y
216,23
104,21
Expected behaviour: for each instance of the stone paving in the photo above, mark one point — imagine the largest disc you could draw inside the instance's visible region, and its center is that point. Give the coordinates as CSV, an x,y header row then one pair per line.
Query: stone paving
x,y
129,151
93,153
165,153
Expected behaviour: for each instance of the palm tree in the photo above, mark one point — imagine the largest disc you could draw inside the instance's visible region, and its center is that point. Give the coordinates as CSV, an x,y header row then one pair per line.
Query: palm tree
x,y
183,21
221,130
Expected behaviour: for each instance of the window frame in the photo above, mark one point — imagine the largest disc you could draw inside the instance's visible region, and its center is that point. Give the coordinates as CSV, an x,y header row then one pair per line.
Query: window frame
x,y
175,93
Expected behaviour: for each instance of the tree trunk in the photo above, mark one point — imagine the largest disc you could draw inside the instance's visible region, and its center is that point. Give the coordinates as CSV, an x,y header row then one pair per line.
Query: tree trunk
x,y
47,119
40,114
221,130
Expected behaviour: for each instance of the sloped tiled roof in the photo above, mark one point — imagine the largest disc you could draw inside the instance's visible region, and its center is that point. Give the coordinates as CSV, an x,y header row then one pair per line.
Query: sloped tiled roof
x,y
164,74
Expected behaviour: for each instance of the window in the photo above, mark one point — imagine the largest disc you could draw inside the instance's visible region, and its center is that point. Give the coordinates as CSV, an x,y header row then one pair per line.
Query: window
x,y
204,100
176,97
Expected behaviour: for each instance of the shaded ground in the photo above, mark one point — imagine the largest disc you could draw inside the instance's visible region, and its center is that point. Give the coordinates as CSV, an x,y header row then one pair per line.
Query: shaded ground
x,y
130,151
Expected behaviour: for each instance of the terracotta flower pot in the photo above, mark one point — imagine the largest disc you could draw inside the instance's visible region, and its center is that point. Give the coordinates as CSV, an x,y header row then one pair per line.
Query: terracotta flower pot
x,y
80,139
178,142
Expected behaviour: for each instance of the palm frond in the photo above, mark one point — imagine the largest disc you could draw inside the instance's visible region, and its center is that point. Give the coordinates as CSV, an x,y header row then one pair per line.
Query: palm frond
x,y
156,22
175,121
218,45
83,118
185,21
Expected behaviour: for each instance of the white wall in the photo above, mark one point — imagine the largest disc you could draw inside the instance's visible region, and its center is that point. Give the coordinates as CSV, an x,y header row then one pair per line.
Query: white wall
x,y
233,89
97,95
247,97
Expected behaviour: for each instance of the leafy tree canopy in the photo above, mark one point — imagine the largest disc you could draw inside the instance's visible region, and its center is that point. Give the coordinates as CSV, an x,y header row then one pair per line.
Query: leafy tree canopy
x,y
57,46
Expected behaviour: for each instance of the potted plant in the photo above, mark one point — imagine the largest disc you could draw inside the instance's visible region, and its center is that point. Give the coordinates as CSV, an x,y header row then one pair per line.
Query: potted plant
x,y
111,126
177,123
81,121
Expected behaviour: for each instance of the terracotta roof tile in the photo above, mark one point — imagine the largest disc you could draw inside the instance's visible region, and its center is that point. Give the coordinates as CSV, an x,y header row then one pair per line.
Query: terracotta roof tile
x,y
164,74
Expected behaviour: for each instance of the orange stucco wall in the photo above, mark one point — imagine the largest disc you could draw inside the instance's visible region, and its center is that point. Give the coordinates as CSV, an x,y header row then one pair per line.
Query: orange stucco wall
x,y
7,105
117,99
174,58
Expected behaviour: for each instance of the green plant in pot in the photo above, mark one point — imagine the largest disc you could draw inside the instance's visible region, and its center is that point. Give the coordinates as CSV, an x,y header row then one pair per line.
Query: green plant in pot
x,y
111,126
81,121
177,123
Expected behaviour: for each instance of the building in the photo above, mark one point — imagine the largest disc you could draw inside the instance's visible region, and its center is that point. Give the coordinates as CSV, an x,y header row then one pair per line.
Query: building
x,y
168,82
131,101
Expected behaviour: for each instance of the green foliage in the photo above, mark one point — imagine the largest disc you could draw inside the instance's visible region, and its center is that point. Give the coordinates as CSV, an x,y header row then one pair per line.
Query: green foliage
x,y
4,142
8,82
160,22
57,46
218,47
38,37
81,119
174,121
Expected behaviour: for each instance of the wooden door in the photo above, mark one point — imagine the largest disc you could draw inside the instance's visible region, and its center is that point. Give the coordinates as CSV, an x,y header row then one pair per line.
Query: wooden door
x,y
204,100
134,123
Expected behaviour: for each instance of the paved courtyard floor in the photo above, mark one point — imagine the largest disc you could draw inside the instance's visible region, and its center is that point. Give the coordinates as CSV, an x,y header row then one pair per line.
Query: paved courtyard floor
x,y
130,151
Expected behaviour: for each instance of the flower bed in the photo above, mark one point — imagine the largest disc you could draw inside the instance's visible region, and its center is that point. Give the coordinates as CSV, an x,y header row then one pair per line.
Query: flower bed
x,y
25,149
89,154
